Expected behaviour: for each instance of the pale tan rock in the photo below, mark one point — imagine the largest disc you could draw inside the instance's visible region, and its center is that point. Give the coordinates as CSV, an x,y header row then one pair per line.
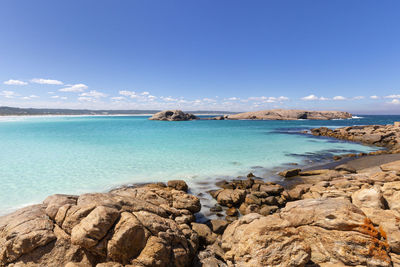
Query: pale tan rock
x,y
94,227
54,202
368,198
186,201
384,177
391,193
298,191
155,253
231,197
108,228
327,231
23,231
255,240
392,166
128,240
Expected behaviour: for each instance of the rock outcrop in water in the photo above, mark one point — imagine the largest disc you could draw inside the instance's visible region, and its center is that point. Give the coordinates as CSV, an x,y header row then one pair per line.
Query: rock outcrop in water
x,y
173,115
290,114
379,135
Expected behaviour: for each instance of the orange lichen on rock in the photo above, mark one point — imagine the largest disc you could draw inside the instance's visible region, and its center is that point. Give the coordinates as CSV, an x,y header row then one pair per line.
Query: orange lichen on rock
x,y
368,228
379,246
382,233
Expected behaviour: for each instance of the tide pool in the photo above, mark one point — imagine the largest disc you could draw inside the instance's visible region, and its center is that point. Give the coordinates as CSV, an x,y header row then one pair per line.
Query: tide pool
x,y
40,156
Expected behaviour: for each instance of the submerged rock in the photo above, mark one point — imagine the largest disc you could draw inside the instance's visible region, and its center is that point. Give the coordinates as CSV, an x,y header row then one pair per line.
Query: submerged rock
x,y
290,173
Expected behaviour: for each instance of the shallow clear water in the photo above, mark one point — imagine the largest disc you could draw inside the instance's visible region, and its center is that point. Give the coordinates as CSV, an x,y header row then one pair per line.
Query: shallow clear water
x,y
40,156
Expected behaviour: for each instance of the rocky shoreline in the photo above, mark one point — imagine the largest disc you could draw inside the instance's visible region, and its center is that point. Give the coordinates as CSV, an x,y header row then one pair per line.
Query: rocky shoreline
x,y
334,217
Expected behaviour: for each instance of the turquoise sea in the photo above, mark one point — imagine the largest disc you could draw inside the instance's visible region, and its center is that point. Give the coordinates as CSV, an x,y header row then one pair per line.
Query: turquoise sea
x,y
40,156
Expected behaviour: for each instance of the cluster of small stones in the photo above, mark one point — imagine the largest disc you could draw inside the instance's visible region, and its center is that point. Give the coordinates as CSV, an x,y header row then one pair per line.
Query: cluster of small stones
x,y
387,136
251,195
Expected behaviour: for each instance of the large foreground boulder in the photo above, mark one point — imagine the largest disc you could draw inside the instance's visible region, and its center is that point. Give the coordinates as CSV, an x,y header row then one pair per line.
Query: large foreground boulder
x,y
323,231
173,115
143,226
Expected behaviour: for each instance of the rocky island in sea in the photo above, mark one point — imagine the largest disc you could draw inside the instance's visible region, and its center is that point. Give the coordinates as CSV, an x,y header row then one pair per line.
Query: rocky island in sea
x,y
347,215
289,114
273,114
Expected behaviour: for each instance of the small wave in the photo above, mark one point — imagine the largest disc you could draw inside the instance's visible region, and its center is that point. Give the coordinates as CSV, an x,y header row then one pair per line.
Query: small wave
x,y
11,118
357,117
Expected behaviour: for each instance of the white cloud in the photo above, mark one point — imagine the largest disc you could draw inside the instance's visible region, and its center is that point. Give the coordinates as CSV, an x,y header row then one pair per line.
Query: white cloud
x,y
76,88
169,99
145,93
130,94
50,93
283,98
9,94
85,98
323,98
339,97
392,96
374,97
395,101
29,97
15,82
118,98
310,97
209,100
233,98
46,81
93,93
55,96
359,97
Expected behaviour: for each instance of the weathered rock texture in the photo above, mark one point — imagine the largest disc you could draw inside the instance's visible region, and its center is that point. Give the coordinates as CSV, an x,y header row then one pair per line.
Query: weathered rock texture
x,y
143,226
289,114
322,231
378,135
173,115
336,218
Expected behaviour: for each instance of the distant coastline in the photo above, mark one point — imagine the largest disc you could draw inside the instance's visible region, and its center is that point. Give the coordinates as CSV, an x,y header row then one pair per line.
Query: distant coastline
x,y
14,111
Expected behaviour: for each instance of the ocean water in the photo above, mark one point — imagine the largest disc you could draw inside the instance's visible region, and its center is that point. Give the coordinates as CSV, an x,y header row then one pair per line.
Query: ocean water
x,y
40,156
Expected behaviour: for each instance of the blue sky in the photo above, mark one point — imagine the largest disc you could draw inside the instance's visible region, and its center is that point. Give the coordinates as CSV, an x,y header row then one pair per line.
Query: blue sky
x,y
215,55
